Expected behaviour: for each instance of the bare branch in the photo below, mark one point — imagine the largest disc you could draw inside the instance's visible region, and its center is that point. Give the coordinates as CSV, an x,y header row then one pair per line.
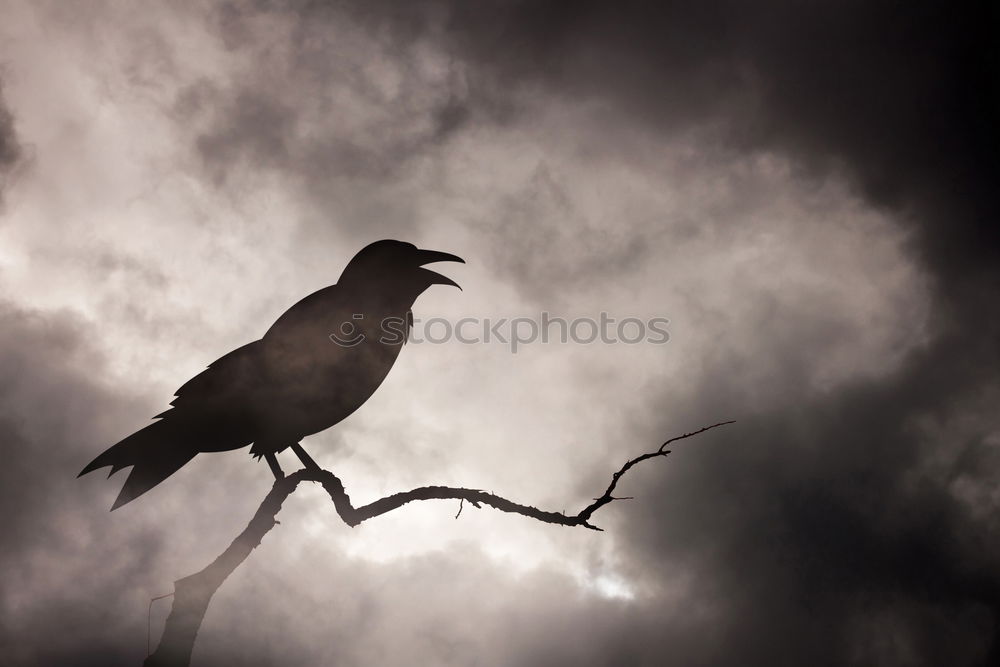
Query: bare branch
x,y
598,503
193,593
149,618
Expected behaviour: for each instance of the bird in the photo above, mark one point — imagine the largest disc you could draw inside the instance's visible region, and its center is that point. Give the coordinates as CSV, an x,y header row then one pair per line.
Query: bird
x,y
320,361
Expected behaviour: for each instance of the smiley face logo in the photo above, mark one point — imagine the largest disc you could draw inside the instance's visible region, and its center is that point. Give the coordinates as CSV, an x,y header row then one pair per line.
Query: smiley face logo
x,y
348,335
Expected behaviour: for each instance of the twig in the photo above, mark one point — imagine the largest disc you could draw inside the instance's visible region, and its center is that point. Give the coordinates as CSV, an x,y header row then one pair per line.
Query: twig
x,y
598,503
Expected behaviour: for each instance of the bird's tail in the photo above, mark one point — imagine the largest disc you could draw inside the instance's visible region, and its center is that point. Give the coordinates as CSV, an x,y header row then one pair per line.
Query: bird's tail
x,y
155,453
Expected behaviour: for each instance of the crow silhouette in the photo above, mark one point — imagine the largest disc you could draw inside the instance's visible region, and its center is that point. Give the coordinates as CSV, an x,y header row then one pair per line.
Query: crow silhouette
x,y
318,363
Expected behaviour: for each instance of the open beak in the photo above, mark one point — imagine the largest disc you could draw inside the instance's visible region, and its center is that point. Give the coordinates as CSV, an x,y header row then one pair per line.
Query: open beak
x,y
430,256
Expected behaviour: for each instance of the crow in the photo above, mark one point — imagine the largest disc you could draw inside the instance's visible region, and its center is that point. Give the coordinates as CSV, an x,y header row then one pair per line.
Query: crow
x,y
317,364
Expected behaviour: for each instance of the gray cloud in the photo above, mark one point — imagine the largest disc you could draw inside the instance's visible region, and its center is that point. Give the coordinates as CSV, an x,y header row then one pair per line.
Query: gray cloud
x,y
848,524
825,534
342,118
57,606
904,100
589,254
823,516
11,152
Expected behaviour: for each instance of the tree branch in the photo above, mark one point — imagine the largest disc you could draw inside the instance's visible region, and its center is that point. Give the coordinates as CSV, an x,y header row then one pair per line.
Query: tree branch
x,y
193,593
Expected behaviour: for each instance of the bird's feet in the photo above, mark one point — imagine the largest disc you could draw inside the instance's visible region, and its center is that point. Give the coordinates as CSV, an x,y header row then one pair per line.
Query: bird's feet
x,y
307,460
272,461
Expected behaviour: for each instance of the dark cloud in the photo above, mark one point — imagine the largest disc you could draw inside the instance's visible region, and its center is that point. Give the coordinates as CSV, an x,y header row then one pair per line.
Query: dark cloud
x,y
850,526
823,531
340,115
52,409
589,254
904,98
826,531
902,101
832,530
11,152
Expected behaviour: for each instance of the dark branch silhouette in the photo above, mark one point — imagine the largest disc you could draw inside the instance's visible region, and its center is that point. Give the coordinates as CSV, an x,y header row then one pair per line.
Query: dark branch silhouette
x,y
192,594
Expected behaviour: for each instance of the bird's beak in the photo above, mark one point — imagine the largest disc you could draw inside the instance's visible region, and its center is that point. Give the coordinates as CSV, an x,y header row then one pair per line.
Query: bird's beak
x,y
430,256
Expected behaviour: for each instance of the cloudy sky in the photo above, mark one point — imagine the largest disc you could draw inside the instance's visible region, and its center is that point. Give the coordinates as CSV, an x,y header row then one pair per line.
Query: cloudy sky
x,y
806,190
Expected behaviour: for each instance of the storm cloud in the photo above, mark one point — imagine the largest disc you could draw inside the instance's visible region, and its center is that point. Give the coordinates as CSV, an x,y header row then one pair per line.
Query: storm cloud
x,y
807,191
11,153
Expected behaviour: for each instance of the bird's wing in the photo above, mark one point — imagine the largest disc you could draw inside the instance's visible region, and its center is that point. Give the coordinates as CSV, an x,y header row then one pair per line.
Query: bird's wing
x,y
231,380
249,377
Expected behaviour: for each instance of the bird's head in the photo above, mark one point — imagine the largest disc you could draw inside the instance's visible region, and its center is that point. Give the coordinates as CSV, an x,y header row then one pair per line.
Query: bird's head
x,y
395,268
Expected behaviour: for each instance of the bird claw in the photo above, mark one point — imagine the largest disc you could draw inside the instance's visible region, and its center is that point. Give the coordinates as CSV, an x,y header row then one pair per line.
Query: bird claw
x,y
272,461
